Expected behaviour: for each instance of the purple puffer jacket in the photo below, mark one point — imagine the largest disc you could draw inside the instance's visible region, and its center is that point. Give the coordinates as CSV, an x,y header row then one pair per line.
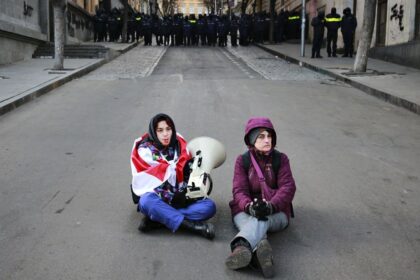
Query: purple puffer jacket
x,y
246,184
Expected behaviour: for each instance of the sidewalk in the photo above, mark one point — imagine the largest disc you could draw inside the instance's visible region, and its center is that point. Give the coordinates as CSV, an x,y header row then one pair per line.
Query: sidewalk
x,y
26,80
391,82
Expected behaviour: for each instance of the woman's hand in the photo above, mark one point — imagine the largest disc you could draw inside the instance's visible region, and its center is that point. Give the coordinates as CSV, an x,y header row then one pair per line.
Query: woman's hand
x,y
259,209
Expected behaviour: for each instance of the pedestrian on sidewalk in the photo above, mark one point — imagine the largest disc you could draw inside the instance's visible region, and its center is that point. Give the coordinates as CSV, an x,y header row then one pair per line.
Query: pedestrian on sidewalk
x,y
160,169
332,23
348,27
263,190
318,24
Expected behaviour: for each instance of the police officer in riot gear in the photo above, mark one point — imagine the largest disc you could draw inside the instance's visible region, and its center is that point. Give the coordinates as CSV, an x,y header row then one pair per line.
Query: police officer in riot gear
x,y
201,29
244,30
211,31
348,27
147,30
166,29
138,17
318,25
234,26
332,23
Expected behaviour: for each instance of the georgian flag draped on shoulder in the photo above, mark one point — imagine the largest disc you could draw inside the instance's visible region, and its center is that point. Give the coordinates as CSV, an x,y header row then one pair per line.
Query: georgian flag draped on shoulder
x,y
149,172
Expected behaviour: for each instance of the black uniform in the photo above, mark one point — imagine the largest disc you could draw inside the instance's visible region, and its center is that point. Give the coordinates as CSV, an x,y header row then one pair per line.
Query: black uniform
x,y
259,27
166,30
139,33
178,29
244,30
211,31
348,27
234,26
318,25
201,29
222,31
293,26
332,23
146,27
113,27
98,28
157,29
280,26
186,28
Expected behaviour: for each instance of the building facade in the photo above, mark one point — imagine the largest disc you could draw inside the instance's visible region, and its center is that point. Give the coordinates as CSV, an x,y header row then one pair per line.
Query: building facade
x,y
189,7
25,24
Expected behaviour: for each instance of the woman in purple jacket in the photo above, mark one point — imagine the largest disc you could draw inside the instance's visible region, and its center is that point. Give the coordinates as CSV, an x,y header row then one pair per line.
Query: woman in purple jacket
x,y
261,199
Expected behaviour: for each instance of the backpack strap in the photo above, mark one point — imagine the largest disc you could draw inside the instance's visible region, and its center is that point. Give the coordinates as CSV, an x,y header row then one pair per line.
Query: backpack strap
x,y
246,162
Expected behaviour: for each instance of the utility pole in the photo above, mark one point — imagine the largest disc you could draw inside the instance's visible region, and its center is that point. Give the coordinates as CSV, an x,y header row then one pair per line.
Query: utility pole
x,y
302,35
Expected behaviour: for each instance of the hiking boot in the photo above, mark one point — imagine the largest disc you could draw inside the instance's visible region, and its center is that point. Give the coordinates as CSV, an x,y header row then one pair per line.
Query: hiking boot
x,y
240,257
264,258
146,224
202,228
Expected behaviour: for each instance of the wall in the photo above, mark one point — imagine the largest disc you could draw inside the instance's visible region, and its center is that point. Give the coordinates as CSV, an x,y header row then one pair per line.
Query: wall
x,y
20,33
79,24
15,50
400,21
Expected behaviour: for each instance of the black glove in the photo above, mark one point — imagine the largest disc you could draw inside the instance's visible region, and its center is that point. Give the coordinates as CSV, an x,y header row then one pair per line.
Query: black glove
x,y
180,200
260,209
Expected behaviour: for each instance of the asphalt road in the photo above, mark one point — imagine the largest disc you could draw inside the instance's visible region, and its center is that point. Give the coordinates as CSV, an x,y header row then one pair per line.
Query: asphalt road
x,y
65,204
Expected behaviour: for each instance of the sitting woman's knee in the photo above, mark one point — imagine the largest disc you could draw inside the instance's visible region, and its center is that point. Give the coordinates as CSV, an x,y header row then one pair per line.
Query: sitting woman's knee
x,y
146,201
210,207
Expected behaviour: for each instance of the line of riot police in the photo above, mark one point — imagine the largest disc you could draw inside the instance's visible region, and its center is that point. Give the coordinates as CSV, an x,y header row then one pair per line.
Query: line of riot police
x,y
181,30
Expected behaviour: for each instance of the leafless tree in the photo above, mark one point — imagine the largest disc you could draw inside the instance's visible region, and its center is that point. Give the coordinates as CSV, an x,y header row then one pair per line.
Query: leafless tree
x,y
168,7
360,63
209,4
244,5
59,8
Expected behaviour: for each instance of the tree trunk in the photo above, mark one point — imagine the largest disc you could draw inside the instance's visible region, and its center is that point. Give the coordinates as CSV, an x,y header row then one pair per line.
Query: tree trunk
x,y
243,6
360,63
59,7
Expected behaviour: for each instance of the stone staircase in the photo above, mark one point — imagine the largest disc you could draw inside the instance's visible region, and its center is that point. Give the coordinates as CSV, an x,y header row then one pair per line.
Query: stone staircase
x,y
72,51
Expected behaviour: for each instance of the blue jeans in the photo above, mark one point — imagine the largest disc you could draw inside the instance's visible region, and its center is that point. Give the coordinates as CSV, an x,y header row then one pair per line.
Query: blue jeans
x,y
157,210
253,230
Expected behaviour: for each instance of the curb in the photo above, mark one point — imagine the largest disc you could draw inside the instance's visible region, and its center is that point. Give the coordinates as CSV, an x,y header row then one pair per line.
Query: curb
x,y
45,88
395,100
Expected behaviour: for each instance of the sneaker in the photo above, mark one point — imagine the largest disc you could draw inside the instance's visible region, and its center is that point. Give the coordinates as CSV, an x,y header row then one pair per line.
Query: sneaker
x,y
264,257
146,224
240,257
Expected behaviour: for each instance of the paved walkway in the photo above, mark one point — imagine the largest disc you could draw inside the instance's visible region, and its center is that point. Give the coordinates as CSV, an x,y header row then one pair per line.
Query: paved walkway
x,y
391,82
25,80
